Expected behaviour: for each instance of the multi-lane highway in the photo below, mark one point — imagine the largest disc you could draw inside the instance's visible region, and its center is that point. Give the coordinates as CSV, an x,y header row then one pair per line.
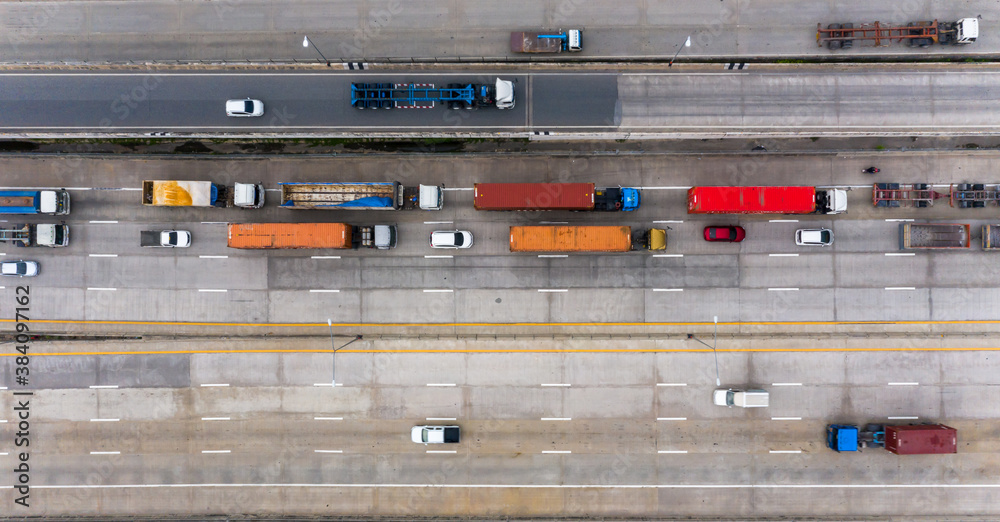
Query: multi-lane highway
x,y
776,101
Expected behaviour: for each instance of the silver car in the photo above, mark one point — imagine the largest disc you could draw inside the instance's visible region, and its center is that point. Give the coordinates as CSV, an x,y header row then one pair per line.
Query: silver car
x,y
19,268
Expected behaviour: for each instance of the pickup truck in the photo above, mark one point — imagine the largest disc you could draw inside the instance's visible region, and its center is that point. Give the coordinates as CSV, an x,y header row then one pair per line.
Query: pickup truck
x,y
434,434
165,238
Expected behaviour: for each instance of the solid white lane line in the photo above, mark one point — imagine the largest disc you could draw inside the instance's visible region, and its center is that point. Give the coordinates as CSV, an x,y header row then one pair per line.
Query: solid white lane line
x,y
104,222
904,384
105,420
442,418
554,384
785,451
4,454
326,384
214,385
321,291
212,290
552,255
439,291
900,288
553,290
785,418
328,418
553,222
438,485
103,255
786,384
439,257
438,222
3,421
670,221
560,452
898,220
101,289
668,289
442,451
214,222
783,255
672,451
324,257
782,221
668,255
663,188
556,418
101,387
216,451
903,418
671,418
215,418
782,289
213,257
442,384
671,384
897,254
105,453
458,188
329,451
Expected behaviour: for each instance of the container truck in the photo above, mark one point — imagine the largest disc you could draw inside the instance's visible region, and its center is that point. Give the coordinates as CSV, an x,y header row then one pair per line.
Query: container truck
x,y
933,235
421,95
585,239
42,234
915,34
311,235
554,196
390,195
34,202
766,200
435,434
163,193
546,41
165,238
911,439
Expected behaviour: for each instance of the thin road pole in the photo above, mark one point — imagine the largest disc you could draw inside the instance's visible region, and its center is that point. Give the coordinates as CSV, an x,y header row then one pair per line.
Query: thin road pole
x,y
687,43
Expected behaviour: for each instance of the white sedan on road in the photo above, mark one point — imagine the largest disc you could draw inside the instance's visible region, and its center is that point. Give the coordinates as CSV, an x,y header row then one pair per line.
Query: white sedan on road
x,y
451,239
244,108
19,268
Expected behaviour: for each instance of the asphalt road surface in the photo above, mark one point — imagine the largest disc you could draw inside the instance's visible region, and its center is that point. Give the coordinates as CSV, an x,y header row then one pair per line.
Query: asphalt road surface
x,y
777,102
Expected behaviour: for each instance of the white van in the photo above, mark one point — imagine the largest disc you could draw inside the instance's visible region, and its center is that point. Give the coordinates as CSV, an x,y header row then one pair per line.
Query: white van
x,y
741,398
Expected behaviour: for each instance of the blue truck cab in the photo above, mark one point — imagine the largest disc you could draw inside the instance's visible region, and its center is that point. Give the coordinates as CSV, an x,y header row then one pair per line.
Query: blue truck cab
x,y
840,437
616,199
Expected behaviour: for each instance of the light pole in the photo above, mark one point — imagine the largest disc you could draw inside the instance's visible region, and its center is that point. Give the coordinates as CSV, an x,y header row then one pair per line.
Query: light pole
x,y
306,41
687,43
329,322
715,337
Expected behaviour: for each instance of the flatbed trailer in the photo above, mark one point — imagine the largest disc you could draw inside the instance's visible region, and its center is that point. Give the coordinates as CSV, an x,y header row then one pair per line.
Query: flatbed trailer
x,y
933,235
974,195
894,195
915,34
412,95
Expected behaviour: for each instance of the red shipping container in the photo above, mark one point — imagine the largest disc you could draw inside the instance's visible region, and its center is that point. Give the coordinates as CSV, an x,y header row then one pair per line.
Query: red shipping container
x,y
534,196
919,439
751,200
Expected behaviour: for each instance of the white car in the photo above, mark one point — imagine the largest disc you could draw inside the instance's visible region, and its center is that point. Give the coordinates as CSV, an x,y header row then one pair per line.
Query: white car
x,y
19,268
435,434
814,237
244,108
451,239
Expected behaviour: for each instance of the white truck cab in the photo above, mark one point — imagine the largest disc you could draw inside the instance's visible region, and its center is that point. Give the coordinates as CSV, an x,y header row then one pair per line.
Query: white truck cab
x,y
573,40
966,30
248,195
431,197
505,94
741,398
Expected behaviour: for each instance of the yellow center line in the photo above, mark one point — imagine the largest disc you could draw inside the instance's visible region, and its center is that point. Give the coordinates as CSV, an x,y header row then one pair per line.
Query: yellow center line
x,y
508,350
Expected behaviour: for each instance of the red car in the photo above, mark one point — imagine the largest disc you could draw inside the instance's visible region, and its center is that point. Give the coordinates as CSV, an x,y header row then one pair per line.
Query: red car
x,y
730,234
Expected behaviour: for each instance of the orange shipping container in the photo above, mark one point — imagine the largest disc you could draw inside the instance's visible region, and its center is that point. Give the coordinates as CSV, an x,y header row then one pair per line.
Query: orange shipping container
x,y
289,235
570,239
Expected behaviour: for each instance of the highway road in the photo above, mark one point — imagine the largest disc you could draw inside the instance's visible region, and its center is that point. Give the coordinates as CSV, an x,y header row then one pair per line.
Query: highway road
x,y
784,101
259,31
567,433
105,276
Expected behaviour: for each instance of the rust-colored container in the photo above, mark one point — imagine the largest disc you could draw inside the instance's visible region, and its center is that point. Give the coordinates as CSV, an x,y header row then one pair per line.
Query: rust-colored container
x,y
570,239
534,196
289,235
921,439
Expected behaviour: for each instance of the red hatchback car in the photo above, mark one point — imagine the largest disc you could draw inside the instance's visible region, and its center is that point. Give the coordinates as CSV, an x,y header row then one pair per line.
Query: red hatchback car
x,y
730,234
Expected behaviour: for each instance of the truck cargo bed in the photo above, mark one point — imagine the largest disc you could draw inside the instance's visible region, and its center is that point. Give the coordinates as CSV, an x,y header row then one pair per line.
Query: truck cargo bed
x,y
289,235
922,439
570,239
342,196
529,42
149,238
933,235
534,196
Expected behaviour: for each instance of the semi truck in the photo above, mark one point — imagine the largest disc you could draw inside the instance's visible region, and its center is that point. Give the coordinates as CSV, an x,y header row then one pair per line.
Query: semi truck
x,y
915,34
554,196
311,235
766,200
420,95
933,235
54,202
911,439
390,195
546,41
171,193
165,238
42,234
585,239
